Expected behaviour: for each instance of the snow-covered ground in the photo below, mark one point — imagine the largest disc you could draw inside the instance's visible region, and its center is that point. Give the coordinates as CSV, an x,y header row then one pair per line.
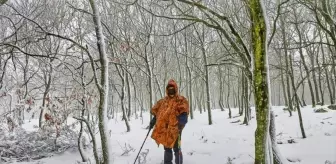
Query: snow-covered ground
x,y
217,143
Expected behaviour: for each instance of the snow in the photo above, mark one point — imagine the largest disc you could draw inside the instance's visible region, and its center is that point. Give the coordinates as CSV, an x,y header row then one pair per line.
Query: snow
x,y
203,143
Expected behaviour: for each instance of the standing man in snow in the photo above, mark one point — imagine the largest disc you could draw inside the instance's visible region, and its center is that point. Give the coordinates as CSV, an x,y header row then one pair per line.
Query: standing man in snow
x,y
170,116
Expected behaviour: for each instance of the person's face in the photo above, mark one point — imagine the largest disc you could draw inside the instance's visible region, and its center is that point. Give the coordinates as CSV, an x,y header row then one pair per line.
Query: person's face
x,y
171,91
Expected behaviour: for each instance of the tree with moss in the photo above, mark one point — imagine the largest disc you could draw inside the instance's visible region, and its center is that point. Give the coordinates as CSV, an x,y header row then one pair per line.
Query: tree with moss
x,y
265,149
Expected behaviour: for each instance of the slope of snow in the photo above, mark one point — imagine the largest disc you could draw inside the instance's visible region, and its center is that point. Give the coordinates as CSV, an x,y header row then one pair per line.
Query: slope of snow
x,y
214,144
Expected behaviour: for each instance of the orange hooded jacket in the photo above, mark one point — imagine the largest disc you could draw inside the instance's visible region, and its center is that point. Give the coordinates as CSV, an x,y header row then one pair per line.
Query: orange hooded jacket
x,y
166,111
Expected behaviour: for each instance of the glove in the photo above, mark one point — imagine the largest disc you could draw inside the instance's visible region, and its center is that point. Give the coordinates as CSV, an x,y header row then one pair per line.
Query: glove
x,y
182,120
180,127
152,122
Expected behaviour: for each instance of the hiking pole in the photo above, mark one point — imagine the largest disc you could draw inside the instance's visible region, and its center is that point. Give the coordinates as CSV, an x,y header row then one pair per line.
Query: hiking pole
x,y
142,145
179,148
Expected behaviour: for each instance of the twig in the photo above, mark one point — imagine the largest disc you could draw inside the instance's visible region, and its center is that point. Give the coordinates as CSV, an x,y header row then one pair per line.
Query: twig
x,y
251,156
327,118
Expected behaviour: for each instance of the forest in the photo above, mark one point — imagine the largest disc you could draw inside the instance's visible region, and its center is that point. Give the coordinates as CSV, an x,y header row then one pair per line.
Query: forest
x,y
74,71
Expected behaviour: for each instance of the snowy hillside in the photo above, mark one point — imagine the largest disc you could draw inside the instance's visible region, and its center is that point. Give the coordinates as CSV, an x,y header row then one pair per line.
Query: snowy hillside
x,y
223,141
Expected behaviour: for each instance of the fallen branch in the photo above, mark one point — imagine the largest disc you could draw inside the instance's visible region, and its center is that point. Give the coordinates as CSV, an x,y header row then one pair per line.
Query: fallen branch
x,y
26,146
293,160
235,121
327,118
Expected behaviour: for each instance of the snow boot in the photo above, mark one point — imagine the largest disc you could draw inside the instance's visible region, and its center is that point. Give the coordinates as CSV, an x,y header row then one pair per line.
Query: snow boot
x,y
168,156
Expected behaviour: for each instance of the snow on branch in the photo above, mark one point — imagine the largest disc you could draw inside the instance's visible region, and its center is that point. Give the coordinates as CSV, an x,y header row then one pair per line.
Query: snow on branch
x,y
21,145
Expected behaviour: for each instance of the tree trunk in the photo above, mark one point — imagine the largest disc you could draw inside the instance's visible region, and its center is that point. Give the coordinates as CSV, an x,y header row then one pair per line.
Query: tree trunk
x,y
102,85
228,92
334,81
277,157
296,97
304,63
150,74
333,73
125,118
303,87
135,98
190,93
189,75
129,96
122,76
199,103
82,114
45,94
239,98
246,101
320,84
318,100
79,143
179,81
263,149
279,95
221,92
327,77
284,39
205,62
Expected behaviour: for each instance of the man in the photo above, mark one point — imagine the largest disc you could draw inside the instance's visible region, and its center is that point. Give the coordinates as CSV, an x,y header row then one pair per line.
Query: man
x,y
170,116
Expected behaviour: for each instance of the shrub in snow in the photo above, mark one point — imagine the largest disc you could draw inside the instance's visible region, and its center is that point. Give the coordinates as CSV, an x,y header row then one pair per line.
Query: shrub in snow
x,y
291,141
332,107
127,149
142,157
230,160
21,145
320,110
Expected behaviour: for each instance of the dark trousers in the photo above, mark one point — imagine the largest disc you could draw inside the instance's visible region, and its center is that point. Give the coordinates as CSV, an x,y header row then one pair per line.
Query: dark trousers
x,y
168,153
